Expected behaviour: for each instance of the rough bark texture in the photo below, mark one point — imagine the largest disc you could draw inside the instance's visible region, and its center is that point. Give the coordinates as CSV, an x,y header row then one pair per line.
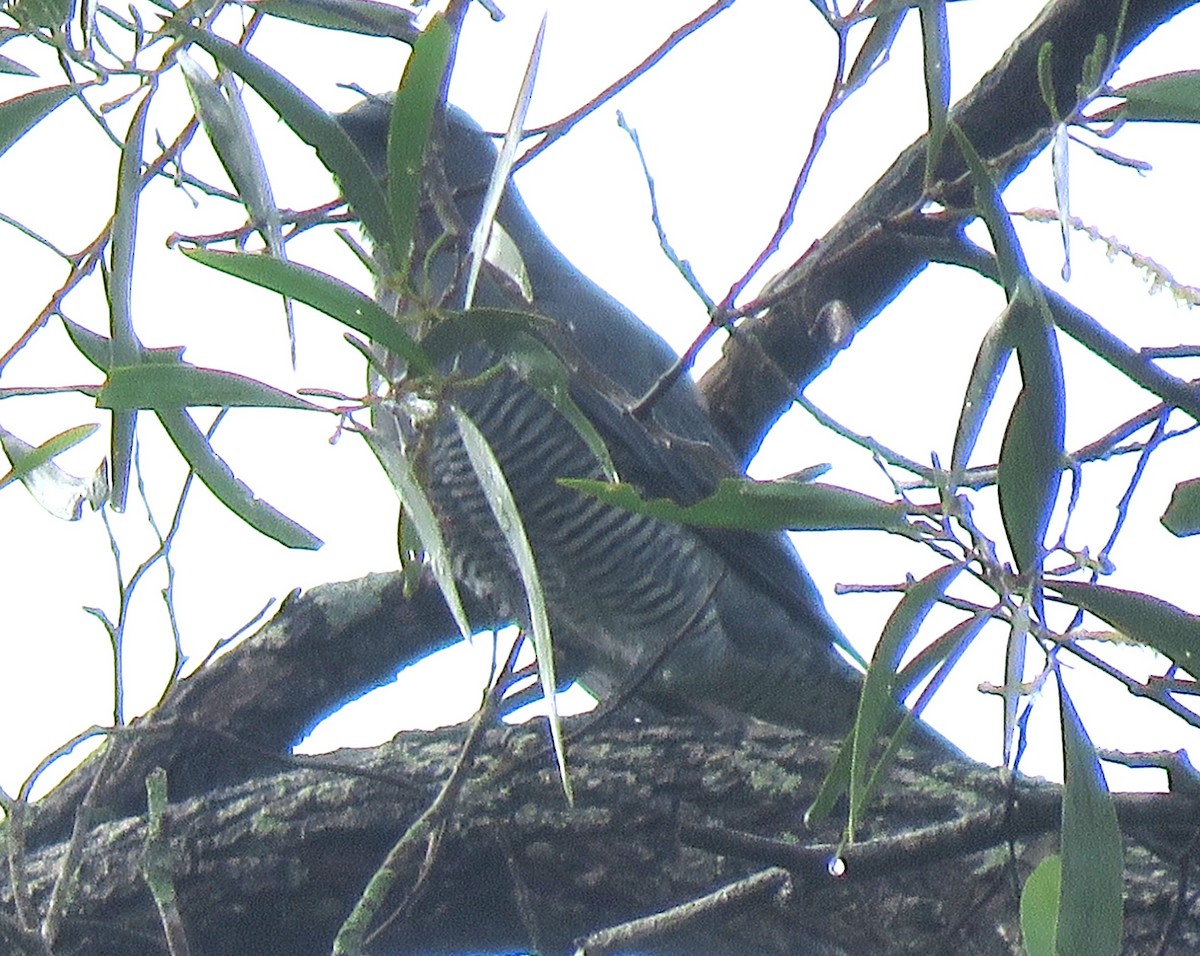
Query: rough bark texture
x,y
268,854
665,812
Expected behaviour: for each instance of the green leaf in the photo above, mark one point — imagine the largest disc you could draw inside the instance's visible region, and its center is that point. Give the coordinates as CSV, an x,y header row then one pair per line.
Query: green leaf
x,y
504,508
413,109
229,490
222,113
59,492
44,14
1009,256
26,460
990,363
162,386
763,506
537,365
98,350
1141,617
312,124
22,113
1090,911
1095,66
225,123
936,42
13,68
949,646
352,16
1045,75
418,515
1031,454
1039,907
324,293
875,48
1182,516
502,169
502,330
517,338
1170,98
878,702
126,348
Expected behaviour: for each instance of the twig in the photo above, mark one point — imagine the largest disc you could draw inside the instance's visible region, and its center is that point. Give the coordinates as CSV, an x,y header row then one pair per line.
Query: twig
x,y
774,880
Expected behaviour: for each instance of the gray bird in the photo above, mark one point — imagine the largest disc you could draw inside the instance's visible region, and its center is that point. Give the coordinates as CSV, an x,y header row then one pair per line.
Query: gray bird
x,y
690,619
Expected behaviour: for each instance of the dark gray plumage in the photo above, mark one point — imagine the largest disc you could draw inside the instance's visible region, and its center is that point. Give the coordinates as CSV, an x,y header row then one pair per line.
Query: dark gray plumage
x,y
709,619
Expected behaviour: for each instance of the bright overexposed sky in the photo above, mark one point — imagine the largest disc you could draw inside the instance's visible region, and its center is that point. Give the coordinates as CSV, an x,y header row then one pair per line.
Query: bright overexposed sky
x,y
724,121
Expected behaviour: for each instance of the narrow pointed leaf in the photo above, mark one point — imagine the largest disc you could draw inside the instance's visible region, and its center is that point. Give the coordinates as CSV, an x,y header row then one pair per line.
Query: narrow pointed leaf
x,y
312,124
321,291
875,48
1170,630
504,508
763,506
936,41
1090,909
1182,516
1060,153
227,127
367,17
1170,98
57,491
948,647
162,386
1009,255
503,167
26,458
539,367
1039,907
126,348
229,490
990,363
878,703
97,349
411,125
13,68
502,330
1031,454
418,515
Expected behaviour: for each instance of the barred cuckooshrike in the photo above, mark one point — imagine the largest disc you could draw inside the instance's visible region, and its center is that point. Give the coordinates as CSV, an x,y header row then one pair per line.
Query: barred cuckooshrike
x,y
699,619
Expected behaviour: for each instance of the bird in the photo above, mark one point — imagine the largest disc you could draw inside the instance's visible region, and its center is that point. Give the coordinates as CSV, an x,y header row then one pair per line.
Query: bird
x,y
688,619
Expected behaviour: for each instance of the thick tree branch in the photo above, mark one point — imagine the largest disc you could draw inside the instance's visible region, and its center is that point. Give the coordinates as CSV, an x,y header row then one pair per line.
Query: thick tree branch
x,y
868,257
664,814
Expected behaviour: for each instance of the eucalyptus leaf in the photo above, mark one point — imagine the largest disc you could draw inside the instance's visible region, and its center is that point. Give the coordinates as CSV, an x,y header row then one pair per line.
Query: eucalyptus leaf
x,y
1091,917
126,348
1182,516
13,68
419,516
1143,618
57,491
504,508
878,701
323,292
936,43
312,124
413,110
367,17
763,506
1039,907
1170,98
162,386
228,489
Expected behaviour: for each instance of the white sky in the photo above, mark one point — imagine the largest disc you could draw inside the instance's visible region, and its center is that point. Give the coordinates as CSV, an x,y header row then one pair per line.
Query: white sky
x,y
724,121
